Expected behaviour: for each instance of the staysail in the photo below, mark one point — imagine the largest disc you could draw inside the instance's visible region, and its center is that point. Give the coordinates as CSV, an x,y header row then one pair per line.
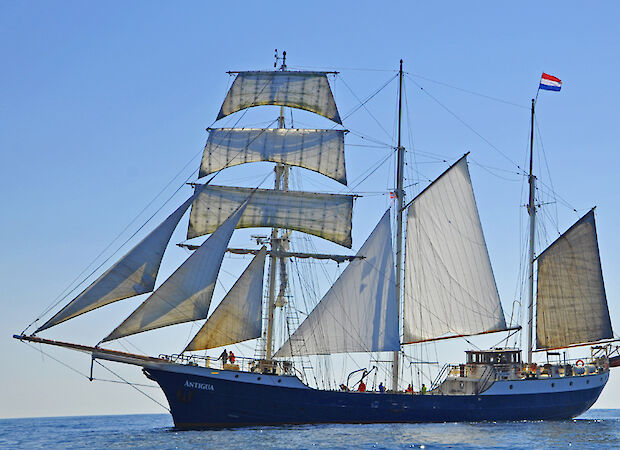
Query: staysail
x,y
360,311
186,294
238,317
449,284
319,150
571,305
303,90
325,215
132,275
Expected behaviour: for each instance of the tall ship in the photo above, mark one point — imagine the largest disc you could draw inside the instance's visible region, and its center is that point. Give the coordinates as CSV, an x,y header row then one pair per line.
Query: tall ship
x,y
422,275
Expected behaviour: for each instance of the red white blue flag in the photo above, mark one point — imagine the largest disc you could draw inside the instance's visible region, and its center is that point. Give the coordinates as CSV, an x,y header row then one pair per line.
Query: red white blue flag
x,y
550,83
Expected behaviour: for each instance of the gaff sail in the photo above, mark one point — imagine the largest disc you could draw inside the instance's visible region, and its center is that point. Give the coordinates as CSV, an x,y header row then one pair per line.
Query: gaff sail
x,y
571,305
449,284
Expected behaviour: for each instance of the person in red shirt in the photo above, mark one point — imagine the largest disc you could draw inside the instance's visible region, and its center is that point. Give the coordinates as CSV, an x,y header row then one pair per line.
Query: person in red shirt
x,y
361,387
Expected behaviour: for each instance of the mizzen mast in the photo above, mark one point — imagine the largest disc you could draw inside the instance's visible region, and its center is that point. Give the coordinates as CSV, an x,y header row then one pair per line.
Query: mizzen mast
x,y
532,212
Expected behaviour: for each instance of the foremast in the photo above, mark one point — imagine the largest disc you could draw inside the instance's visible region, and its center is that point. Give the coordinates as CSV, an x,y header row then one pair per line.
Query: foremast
x,y
281,183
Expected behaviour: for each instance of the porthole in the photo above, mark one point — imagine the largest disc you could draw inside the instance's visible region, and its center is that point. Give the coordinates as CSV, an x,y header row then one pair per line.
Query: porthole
x,y
570,384
511,386
237,376
259,378
279,381
587,381
552,384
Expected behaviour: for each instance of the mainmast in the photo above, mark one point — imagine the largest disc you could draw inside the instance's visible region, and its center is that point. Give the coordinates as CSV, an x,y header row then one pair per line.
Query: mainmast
x,y
532,212
281,183
400,196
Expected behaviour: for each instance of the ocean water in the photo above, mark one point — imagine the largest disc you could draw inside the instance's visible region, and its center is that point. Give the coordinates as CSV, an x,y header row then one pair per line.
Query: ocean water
x,y
598,429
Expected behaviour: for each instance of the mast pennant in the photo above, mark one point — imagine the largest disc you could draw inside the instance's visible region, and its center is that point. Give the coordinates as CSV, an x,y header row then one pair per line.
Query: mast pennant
x,y
360,311
132,275
186,294
303,90
238,317
325,215
571,305
319,150
449,284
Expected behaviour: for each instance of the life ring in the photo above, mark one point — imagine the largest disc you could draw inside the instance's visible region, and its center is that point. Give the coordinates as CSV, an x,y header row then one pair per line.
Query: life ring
x,y
579,363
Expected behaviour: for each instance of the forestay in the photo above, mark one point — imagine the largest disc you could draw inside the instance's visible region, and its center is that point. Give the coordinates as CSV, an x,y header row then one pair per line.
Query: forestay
x,y
571,305
318,150
238,317
449,283
186,294
325,215
132,275
360,311
303,90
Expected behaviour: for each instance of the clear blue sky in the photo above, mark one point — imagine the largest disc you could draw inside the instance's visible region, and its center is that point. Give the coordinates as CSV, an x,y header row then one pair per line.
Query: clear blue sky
x,y
104,103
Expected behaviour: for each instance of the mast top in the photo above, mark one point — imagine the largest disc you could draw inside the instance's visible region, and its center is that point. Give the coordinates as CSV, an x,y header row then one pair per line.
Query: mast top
x,y
278,58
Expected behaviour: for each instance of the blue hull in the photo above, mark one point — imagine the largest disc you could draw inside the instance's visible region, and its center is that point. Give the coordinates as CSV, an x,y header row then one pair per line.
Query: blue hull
x,y
198,401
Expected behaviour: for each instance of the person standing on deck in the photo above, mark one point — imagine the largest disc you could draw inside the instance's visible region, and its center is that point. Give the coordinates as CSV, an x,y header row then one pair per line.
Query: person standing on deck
x,y
224,357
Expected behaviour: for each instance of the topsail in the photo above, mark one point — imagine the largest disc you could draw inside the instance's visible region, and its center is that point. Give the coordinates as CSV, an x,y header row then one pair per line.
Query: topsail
x,y
318,150
303,90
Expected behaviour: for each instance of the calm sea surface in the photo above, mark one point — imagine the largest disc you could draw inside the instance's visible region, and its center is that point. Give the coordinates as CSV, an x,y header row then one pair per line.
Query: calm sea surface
x,y
598,429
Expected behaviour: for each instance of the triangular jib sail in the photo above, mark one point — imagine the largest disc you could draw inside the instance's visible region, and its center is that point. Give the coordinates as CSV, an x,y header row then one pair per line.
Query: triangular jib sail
x,y
318,150
360,311
186,294
571,305
238,317
303,90
132,275
449,283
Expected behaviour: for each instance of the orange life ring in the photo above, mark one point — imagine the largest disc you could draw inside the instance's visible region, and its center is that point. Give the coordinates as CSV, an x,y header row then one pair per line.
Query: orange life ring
x,y
579,363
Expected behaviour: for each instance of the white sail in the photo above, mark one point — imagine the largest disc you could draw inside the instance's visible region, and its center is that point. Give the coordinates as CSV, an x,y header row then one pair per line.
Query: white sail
x,y
303,90
132,275
571,305
186,294
238,317
325,215
360,311
449,283
318,150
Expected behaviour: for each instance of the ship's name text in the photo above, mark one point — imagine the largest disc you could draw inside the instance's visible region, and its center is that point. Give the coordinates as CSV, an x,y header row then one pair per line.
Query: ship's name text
x,y
196,385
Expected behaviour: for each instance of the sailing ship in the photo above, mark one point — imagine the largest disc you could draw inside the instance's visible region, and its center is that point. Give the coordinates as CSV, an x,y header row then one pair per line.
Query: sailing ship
x,y
436,282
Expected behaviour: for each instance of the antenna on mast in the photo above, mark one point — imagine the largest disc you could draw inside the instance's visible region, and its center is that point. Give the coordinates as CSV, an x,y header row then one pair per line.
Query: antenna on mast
x,y
280,58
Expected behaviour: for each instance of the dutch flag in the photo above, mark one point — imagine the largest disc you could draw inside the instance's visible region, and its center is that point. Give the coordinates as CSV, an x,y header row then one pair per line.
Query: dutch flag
x,y
550,83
